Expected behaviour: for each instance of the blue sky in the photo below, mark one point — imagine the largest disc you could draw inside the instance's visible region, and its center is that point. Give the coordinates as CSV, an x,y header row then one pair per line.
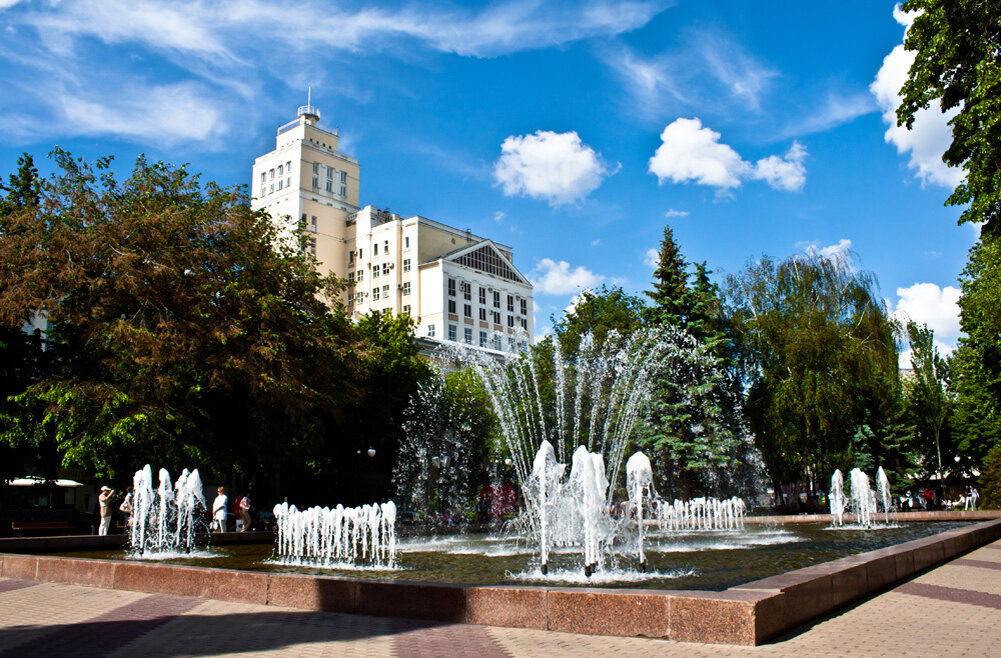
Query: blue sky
x,y
572,131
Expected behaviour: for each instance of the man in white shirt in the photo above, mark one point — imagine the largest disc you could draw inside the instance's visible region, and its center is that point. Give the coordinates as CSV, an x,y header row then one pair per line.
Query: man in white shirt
x,y
105,501
219,510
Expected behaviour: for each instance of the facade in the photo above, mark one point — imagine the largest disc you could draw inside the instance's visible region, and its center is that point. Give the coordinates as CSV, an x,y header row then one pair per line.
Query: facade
x,y
457,286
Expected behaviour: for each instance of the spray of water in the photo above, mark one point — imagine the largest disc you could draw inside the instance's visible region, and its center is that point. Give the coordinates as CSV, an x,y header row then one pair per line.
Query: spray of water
x,y
166,520
342,536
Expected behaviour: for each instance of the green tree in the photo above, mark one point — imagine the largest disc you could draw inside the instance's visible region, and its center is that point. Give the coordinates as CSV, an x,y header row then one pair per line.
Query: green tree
x,y
978,358
956,45
23,189
928,397
184,329
823,363
597,313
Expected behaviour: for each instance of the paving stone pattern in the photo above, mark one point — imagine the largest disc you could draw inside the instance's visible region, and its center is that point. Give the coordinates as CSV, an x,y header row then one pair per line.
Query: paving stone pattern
x,y
953,610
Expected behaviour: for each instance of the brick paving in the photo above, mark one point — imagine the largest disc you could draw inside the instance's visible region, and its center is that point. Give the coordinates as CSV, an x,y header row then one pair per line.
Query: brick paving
x,y
952,610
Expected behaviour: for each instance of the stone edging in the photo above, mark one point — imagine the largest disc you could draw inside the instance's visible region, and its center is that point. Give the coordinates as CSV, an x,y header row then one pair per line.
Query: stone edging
x,y
747,614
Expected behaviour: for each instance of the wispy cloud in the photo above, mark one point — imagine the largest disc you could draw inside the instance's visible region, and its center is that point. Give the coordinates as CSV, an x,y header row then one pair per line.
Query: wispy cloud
x,y
744,76
836,110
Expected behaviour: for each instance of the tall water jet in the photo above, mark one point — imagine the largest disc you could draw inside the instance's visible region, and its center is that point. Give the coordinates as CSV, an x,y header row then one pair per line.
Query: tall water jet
x,y
167,519
863,499
586,408
883,493
639,481
837,498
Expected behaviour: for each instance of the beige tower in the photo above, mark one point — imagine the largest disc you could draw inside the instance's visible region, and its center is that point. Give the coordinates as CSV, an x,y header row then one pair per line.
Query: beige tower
x,y
307,183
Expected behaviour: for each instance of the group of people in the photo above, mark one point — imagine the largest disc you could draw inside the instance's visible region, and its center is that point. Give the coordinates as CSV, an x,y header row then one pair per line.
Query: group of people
x,y
107,498
220,512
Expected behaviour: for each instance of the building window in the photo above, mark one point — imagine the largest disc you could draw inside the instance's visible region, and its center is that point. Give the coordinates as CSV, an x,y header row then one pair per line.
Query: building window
x,y
467,291
312,246
313,223
406,242
351,278
271,188
359,254
281,183
385,246
510,320
406,264
510,344
451,332
375,293
510,304
524,323
281,171
483,314
375,249
430,331
406,309
468,310
406,287
483,296
375,272
451,287
496,299
351,299
483,339
467,335
524,307
385,292
264,182
271,175
451,306
496,315
497,341
351,256
361,275
385,269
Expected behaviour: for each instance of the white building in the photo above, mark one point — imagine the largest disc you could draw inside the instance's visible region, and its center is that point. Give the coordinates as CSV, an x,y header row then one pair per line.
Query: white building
x,y
456,285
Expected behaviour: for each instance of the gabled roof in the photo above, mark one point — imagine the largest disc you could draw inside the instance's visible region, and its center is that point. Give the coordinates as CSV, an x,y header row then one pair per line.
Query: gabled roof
x,y
486,257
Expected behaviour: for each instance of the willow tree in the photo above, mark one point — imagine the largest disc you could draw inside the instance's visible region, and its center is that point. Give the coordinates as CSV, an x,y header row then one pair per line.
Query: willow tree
x,y
823,363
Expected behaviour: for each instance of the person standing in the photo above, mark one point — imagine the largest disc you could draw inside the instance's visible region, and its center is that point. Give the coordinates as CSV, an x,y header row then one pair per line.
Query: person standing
x,y
104,500
974,497
126,509
244,512
219,509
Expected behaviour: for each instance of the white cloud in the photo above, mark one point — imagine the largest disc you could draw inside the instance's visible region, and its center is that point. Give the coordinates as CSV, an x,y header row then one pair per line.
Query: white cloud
x,y
927,303
787,172
556,278
831,251
741,74
690,152
555,167
595,243
499,216
214,29
930,135
170,113
651,258
676,213
837,110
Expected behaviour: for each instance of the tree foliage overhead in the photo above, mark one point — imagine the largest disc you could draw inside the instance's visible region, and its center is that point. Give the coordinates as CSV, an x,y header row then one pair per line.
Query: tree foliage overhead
x,y
183,327
957,63
824,362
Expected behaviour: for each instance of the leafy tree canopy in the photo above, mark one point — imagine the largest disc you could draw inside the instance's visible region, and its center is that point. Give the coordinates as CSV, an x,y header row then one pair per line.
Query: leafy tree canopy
x,y
957,63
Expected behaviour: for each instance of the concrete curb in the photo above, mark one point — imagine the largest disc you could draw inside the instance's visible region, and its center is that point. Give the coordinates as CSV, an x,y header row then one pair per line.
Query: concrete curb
x,y
749,614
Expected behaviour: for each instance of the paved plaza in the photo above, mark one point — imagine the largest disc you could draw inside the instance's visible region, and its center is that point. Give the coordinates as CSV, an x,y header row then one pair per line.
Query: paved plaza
x,y
952,610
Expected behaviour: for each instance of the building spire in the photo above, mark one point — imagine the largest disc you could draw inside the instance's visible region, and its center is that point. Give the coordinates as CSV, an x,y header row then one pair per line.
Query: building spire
x,y
308,111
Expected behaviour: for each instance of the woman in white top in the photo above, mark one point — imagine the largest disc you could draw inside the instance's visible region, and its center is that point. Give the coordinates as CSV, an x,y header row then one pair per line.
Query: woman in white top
x,y
219,510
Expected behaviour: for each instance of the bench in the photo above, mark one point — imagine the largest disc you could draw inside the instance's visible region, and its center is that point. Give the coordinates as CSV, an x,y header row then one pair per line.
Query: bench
x,y
20,527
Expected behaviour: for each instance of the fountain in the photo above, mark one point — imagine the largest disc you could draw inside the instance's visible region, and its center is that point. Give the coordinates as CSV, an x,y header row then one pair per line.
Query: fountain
x,y
862,501
166,520
583,412
701,514
341,537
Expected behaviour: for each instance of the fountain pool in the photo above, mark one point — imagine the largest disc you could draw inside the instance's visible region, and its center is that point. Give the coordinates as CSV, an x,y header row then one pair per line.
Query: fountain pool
x,y
706,560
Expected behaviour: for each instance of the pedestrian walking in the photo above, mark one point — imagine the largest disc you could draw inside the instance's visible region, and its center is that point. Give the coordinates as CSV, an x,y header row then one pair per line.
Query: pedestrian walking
x,y
244,512
126,509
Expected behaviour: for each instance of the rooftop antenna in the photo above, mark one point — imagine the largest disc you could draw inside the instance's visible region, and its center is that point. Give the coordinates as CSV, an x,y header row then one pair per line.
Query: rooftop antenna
x,y
307,110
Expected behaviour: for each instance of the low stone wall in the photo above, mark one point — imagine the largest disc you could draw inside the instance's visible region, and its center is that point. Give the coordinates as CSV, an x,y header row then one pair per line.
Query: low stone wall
x,y
897,517
748,614
108,542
